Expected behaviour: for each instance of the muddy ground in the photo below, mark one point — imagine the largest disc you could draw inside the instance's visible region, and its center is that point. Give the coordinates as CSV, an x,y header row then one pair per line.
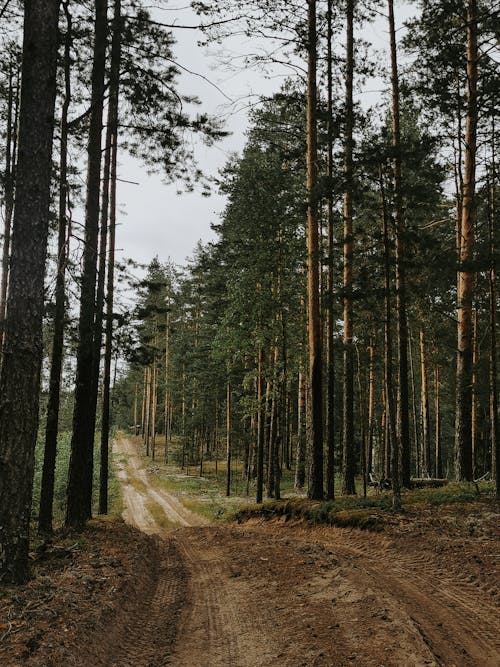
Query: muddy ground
x,y
424,591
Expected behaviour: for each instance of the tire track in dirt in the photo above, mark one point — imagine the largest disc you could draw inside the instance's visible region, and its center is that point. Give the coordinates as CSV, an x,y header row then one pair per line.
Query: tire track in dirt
x,y
216,626
221,614
288,596
138,494
148,637
459,627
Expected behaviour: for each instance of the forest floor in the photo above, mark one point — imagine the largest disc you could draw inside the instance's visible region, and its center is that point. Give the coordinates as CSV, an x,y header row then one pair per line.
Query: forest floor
x,y
422,590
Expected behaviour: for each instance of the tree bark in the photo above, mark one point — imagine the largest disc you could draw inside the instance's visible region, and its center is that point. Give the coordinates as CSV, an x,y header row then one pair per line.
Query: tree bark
x,y
260,426
390,413
465,287
315,348
493,388
114,88
20,373
330,362
437,418
228,439
51,428
10,159
400,462
371,406
300,468
475,360
349,458
79,491
426,426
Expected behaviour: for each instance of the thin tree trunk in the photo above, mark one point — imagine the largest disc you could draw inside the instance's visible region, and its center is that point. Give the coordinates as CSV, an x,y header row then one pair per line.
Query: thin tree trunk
x,y
114,86
136,390
465,292
493,390
154,405
108,350
167,370
45,516
330,363
348,458
437,418
315,351
426,426
143,408
390,413
300,469
260,426
20,372
400,461
418,459
9,201
79,491
475,360
147,426
371,406
362,416
228,439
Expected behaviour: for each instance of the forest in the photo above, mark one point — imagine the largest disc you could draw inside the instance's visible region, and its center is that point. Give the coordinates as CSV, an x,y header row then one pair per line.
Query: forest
x,y
335,339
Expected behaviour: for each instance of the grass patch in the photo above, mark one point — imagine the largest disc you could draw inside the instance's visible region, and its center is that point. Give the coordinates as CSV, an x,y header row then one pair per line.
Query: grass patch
x,y
138,484
368,513
159,516
364,513
454,492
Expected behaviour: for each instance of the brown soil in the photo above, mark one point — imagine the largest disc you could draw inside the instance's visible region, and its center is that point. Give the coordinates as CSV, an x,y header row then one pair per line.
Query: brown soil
x,y
422,592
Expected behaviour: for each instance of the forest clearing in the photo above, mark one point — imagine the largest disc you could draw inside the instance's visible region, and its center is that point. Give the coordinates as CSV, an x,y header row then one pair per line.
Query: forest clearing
x,y
423,589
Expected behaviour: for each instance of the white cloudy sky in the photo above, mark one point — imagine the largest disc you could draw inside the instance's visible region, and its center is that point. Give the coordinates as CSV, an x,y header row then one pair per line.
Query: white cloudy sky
x,y
154,219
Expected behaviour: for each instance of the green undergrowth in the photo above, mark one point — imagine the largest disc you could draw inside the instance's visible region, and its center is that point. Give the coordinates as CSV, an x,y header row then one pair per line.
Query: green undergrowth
x,y
115,502
159,516
201,495
370,513
363,513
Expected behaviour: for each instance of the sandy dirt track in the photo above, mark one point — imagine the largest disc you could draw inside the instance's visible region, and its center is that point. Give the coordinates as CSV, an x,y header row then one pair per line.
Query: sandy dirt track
x,y
275,594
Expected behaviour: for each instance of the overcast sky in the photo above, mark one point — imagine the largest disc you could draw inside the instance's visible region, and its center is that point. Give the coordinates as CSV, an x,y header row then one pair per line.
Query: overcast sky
x,y
154,219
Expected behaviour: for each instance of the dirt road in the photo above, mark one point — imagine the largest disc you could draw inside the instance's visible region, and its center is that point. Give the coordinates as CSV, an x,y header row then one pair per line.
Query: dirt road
x,y
293,596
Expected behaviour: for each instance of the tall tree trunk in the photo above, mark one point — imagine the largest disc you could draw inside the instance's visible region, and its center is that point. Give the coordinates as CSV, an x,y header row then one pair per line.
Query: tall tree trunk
x,y
300,469
143,407
147,420
167,371
437,418
51,428
114,96
400,462
465,288
475,360
79,491
315,351
418,457
330,363
20,373
136,392
371,407
363,422
349,458
260,425
493,389
154,404
228,439
10,159
426,425
390,412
